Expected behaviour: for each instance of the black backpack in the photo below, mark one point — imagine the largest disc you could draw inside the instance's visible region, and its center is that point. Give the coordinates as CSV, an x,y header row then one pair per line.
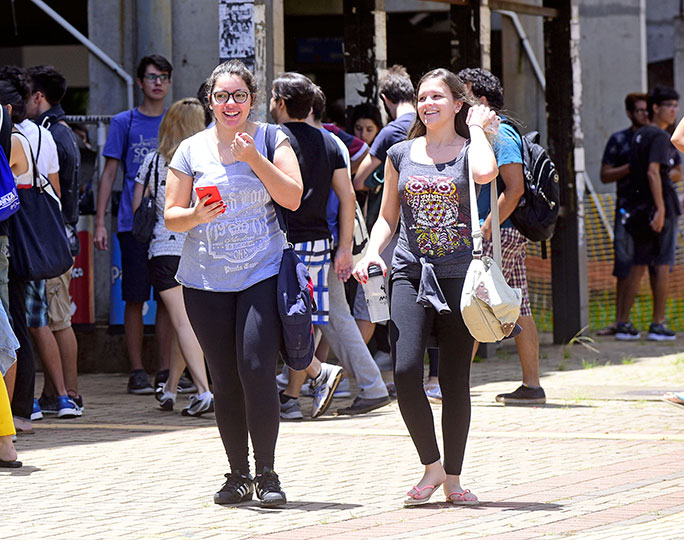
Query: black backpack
x,y
537,212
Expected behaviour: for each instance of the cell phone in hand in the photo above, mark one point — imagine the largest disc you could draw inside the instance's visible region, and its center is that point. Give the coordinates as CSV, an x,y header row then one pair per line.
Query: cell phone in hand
x,y
212,191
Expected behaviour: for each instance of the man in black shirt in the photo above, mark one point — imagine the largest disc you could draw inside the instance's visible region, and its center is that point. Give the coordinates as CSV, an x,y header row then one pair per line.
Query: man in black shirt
x,y
48,87
322,166
652,208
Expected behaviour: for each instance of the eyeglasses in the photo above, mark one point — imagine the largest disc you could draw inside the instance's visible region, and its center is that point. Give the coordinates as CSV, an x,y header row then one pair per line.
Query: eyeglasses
x,y
670,104
640,111
239,96
153,77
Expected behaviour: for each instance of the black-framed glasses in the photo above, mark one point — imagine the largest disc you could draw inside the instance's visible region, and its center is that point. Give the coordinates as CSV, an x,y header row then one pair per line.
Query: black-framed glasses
x,y
153,77
221,96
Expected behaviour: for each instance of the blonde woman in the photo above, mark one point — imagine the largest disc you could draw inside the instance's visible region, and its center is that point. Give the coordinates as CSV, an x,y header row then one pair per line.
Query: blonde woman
x,y
183,119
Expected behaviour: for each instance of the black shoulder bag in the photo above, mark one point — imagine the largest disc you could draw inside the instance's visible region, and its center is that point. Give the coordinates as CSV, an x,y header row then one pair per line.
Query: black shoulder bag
x,y
145,215
38,244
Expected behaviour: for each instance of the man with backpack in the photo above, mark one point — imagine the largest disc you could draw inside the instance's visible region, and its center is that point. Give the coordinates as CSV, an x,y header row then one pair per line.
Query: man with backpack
x,y
48,87
508,148
132,134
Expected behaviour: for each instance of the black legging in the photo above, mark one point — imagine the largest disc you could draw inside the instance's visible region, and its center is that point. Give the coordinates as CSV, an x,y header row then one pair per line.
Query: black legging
x,y
240,335
410,328
22,400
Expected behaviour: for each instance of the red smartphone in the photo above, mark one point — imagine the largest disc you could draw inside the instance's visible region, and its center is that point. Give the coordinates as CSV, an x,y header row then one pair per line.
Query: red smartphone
x,y
213,191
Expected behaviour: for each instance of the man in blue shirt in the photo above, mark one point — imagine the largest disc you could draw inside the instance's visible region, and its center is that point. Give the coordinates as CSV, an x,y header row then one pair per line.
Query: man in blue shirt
x,y
132,135
487,88
615,168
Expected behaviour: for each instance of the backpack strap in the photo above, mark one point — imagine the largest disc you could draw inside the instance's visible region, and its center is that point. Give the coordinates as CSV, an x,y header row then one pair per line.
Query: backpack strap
x,y
128,138
271,136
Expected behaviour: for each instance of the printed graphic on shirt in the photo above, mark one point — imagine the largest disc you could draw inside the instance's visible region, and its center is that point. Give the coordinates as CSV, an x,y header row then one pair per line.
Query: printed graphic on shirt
x,y
237,238
140,148
434,203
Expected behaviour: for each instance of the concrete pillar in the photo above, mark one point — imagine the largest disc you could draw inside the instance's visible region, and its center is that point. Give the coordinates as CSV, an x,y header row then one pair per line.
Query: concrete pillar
x,y
679,54
365,49
194,54
523,94
154,28
603,110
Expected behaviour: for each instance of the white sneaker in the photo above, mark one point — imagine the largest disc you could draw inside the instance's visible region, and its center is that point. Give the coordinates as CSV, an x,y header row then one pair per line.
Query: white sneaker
x,y
291,410
199,406
324,387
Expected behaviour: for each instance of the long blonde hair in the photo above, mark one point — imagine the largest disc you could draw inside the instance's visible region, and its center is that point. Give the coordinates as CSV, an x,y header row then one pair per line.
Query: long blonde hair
x,y
183,119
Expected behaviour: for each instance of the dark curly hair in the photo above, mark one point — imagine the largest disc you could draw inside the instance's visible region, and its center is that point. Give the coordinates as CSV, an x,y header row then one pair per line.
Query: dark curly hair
x,y
484,83
20,81
50,82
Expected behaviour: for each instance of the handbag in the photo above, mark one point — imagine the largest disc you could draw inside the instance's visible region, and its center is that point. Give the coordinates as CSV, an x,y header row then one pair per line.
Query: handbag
x,y
9,198
38,247
145,215
295,291
490,308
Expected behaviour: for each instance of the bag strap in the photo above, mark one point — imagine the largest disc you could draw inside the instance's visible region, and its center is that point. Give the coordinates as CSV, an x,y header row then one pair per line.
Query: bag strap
x,y
147,179
270,137
475,218
128,137
33,160
156,175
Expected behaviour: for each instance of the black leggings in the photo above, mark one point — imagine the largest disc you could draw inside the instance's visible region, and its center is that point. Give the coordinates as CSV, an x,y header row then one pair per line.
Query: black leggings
x,y
410,328
240,335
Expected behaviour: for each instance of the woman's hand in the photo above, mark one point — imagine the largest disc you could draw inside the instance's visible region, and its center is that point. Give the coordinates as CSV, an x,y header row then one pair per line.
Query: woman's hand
x,y
361,269
243,148
482,116
204,213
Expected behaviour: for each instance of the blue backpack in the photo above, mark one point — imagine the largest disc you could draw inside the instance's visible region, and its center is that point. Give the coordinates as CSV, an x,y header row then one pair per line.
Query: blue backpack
x,y
9,198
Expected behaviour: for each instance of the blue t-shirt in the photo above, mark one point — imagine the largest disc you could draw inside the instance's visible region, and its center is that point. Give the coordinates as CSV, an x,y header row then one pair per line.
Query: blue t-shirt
x,y
391,134
132,135
242,246
332,209
507,149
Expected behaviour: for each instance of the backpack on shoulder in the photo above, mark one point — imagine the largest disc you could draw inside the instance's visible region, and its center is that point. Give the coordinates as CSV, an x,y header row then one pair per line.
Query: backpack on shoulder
x,y
537,212
295,292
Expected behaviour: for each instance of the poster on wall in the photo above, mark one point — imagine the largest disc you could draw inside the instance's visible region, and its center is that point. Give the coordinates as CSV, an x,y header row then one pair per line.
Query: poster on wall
x,y
236,31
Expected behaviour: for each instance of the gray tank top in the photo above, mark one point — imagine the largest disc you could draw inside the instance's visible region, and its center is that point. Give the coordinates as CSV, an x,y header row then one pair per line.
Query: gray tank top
x,y
435,214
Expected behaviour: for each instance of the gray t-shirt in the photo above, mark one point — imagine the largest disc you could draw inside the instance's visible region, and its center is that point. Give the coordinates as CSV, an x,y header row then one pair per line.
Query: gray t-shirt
x,y
244,245
435,214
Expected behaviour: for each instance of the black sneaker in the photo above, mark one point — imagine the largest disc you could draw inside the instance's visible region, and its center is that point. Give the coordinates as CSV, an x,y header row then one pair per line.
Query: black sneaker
x,y
138,383
186,386
268,489
660,332
626,332
523,395
363,405
237,488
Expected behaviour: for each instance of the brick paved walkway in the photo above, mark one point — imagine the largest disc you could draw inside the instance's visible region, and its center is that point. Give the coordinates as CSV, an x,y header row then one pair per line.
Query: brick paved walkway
x,y
602,460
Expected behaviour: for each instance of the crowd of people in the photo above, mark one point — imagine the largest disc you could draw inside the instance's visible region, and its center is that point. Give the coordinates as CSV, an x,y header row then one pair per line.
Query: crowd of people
x,y
213,262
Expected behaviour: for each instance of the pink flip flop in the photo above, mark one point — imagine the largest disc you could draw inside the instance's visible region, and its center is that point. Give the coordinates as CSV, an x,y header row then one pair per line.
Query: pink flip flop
x,y
462,497
415,496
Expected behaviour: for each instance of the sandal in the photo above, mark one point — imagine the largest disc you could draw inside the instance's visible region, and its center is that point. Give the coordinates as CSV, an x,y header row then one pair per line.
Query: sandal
x,y
462,497
415,496
674,398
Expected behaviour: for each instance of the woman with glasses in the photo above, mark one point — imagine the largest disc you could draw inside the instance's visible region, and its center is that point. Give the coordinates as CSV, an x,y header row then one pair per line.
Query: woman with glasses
x,y
228,270
183,119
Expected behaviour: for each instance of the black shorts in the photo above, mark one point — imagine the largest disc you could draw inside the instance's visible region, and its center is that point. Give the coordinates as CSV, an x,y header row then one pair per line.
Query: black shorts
x,y
660,250
135,277
163,272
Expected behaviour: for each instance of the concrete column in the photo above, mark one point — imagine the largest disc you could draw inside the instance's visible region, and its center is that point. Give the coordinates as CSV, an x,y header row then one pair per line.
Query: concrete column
x,y
365,49
194,54
154,28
